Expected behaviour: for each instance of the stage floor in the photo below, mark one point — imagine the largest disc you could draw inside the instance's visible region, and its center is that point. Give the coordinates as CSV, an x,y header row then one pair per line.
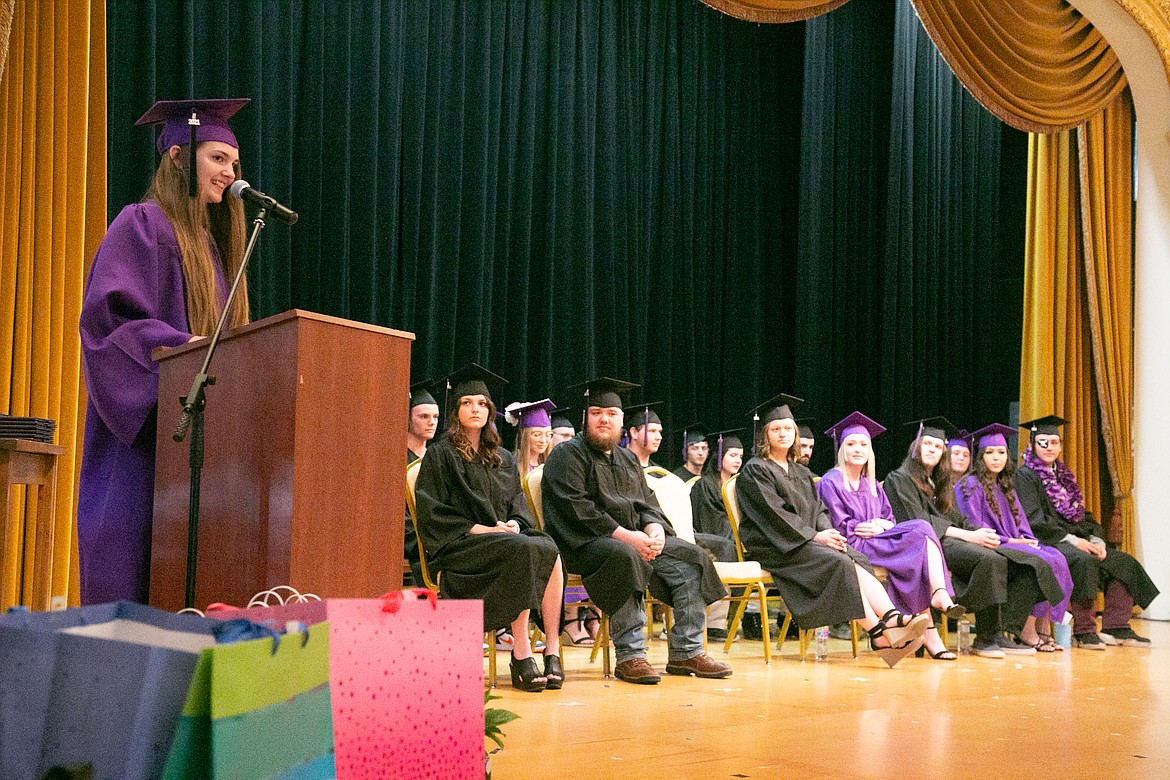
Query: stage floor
x,y
1075,714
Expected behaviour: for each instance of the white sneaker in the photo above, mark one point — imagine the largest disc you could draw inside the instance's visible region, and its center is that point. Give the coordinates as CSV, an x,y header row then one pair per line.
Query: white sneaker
x,y
1108,639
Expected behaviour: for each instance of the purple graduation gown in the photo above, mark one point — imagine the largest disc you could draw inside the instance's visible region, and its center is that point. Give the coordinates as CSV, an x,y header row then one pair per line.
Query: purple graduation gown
x,y
1012,523
134,302
901,550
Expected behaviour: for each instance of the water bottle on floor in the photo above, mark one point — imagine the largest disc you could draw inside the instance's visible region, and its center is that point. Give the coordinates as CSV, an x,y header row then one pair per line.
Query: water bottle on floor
x,y
821,636
963,638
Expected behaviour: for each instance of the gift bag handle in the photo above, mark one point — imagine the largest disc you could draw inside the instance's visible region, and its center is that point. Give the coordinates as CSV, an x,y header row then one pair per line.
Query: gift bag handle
x,y
392,601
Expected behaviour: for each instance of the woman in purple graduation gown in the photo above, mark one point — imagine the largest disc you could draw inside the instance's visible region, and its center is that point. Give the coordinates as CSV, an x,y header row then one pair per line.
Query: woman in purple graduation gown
x,y
988,498
909,551
158,280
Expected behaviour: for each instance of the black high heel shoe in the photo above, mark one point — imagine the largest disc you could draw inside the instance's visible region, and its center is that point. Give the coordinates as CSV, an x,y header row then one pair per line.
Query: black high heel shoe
x,y
553,672
954,611
526,675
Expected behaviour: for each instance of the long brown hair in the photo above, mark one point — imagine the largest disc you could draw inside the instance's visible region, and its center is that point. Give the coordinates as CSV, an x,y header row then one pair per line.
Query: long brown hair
x,y
988,481
489,438
764,447
193,222
937,482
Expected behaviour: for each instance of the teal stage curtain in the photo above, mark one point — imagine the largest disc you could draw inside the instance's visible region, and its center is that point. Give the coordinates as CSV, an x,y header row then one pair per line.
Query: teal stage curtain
x,y
650,190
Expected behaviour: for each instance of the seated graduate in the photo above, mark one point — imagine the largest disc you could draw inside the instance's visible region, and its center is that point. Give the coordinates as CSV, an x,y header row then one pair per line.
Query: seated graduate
x,y
808,441
707,507
909,551
694,452
998,584
611,531
422,422
643,432
475,525
987,497
562,428
959,450
785,527
1052,500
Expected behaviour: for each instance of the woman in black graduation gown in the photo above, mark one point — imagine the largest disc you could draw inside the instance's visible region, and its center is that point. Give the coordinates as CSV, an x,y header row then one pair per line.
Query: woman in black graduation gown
x,y
999,585
475,525
1055,507
785,527
707,506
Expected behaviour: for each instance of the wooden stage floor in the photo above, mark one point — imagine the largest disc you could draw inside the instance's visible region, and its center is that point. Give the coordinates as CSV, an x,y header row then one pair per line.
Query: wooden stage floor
x,y
1072,714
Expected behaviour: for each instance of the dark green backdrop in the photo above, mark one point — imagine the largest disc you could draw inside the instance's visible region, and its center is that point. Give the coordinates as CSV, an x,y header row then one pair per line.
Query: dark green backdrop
x,y
648,189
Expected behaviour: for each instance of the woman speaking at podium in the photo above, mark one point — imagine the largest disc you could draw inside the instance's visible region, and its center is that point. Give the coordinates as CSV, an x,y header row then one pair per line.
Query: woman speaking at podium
x,y
159,279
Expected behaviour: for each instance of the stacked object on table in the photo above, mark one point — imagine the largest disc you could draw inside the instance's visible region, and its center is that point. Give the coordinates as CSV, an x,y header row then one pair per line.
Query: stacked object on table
x,y
30,428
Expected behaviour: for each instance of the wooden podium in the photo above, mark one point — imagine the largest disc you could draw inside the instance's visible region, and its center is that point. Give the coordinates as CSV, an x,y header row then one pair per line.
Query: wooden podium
x,y
305,446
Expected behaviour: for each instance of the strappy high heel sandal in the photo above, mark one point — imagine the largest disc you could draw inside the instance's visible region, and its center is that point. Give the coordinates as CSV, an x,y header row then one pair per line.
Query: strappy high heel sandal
x,y
553,672
526,675
582,639
954,611
902,632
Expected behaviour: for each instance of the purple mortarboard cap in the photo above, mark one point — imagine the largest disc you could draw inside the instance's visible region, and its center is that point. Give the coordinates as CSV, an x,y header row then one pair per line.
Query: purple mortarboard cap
x,y
854,423
176,115
994,435
604,391
472,379
535,414
1048,425
960,439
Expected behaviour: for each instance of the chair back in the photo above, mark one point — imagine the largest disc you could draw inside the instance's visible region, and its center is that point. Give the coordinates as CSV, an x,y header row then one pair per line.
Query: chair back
x,y
674,496
531,484
411,480
731,504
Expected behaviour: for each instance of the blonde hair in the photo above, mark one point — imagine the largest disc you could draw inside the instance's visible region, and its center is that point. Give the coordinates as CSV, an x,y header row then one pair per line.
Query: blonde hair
x,y
523,463
868,470
196,225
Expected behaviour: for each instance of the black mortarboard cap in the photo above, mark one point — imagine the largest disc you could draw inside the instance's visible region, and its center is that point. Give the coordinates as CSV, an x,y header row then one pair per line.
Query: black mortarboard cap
x,y
640,415
1048,425
936,427
472,379
603,391
804,427
776,408
560,418
420,393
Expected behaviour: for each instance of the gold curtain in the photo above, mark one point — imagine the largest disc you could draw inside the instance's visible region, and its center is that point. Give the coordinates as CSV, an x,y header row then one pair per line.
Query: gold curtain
x,y
774,11
1055,371
1037,65
52,216
1105,151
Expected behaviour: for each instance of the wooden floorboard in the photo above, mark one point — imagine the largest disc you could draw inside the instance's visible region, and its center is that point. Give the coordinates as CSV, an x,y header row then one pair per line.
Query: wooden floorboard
x,y
1072,714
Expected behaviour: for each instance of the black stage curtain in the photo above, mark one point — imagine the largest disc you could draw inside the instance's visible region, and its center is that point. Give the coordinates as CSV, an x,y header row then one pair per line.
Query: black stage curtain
x,y
649,190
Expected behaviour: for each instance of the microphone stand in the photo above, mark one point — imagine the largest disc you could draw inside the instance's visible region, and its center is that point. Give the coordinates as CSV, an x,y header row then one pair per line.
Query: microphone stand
x,y
192,417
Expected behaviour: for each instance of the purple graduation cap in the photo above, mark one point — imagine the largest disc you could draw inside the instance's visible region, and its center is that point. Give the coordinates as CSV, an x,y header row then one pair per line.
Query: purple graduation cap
x,y
1049,425
192,122
994,435
854,423
472,379
533,414
961,438
776,408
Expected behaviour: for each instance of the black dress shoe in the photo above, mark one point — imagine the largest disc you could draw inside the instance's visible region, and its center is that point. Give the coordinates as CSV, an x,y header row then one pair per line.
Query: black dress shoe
x,y
752,627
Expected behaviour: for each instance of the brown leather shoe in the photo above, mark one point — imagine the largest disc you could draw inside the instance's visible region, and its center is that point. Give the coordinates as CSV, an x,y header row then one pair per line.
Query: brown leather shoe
x,y
636,670
702,665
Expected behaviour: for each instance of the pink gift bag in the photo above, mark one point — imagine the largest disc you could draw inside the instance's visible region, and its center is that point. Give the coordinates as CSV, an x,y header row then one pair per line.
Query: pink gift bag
x,y
406,676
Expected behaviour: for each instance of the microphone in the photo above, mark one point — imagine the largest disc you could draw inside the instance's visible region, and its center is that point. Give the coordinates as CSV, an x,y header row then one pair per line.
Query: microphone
x,y
242,190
